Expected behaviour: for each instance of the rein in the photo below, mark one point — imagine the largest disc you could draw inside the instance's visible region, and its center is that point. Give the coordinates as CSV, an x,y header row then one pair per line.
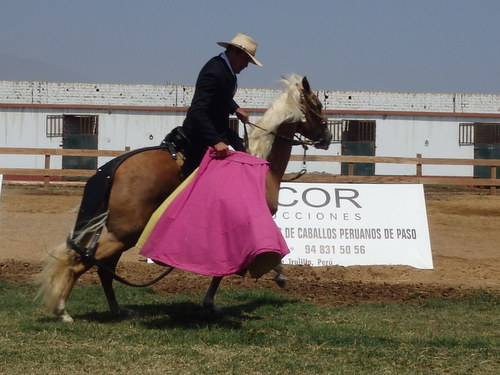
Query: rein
x,y
303,171
87,255
294,142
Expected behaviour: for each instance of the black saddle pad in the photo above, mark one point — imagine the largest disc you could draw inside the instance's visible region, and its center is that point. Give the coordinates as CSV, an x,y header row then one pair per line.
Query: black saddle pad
x,y
96,193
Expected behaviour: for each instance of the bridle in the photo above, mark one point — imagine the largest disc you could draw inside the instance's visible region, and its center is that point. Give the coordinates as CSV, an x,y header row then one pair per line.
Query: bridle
x,y
297,140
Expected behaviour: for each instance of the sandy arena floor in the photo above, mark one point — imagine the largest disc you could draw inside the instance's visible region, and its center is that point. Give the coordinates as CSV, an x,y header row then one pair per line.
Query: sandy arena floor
x,y
464,229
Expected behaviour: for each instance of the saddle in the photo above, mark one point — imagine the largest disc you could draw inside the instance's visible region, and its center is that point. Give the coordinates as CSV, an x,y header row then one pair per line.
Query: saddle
x,y
176,141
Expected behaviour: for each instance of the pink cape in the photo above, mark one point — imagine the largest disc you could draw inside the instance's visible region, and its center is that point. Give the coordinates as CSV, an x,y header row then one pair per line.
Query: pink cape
x,y
220,223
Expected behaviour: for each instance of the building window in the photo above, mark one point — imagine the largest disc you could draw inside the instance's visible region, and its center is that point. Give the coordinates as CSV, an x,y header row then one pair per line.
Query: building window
x,y
60,125
466,134
54,126
337,128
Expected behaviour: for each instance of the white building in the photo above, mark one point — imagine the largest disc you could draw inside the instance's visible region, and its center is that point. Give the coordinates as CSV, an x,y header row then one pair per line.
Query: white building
x,y
116,116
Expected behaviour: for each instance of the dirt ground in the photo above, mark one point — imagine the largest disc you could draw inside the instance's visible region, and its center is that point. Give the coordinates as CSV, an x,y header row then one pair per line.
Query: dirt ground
x,y
464,229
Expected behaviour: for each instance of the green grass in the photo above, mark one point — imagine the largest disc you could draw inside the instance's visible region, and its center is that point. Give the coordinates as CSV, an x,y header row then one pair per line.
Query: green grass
x,y
259,333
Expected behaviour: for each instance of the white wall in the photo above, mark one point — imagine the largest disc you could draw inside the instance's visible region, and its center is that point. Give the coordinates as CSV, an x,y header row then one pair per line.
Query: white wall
x,y
67,93
135,116
428,136
117,130
24,128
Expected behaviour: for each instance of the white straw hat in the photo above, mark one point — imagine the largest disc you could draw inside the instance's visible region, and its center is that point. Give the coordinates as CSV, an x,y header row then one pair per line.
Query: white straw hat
x,y
246,44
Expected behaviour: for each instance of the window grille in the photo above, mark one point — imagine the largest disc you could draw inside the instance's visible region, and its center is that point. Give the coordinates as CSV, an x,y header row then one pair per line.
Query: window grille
x,y
337,128
466,134
54,126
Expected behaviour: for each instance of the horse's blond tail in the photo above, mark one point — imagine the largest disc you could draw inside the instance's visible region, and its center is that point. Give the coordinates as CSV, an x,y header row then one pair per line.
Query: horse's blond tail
x,y
53,279
58,265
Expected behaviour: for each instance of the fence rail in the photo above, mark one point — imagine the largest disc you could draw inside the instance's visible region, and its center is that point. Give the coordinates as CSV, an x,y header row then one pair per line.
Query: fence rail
x,y
492,182
47,171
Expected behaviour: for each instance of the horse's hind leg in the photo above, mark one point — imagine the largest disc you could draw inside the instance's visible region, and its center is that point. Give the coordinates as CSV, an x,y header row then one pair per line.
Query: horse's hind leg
x,y
60,308
61,268
209,300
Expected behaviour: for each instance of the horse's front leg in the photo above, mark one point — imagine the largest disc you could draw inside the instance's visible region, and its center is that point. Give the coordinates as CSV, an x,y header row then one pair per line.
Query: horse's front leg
x,y
209,300
109,252
107,284
280,277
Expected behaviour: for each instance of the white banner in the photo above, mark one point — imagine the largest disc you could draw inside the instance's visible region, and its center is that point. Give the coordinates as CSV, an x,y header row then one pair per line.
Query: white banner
x,y
354,224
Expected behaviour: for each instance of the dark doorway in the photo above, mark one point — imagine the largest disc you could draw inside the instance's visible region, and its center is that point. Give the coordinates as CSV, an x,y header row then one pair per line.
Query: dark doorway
x,y
358,138
80,132
486,146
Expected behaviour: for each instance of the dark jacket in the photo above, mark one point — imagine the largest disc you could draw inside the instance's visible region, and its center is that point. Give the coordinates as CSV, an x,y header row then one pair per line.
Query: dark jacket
x,y
206,123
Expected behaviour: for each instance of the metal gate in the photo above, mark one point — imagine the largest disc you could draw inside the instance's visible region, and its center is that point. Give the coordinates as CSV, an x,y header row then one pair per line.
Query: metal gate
x,y
80,132
358,138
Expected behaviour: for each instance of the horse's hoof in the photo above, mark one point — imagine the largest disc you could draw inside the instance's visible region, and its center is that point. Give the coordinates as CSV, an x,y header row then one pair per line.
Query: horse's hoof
x,y
280,281
125,313
63,316
66,318
212,309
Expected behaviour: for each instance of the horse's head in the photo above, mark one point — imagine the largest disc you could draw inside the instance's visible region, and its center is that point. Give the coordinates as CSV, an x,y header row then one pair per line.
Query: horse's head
x,y
314,125
296,111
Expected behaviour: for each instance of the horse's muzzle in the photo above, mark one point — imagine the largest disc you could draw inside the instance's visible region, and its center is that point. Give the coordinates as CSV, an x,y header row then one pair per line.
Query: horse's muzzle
x,y
324,142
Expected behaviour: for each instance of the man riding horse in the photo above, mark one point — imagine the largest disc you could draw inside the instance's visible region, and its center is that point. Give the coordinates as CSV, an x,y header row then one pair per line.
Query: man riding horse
x,y
141,180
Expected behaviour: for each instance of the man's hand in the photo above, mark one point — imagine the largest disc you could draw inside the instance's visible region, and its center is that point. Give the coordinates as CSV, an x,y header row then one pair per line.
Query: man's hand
x,y
221,150
242,115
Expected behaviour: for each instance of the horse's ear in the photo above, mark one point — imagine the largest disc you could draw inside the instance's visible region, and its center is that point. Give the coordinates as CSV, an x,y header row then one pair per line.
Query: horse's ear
x,y
305,85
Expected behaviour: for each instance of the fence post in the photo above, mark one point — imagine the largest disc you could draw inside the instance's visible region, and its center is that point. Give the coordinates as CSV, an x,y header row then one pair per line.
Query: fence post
x,y
350,169
46,179
419,167
493,176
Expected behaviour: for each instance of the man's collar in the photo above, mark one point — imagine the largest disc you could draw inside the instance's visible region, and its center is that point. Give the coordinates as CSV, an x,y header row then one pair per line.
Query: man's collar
x,y
224,57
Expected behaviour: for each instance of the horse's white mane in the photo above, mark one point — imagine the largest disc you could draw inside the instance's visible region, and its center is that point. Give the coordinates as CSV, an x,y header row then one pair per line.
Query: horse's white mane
x,y
285,108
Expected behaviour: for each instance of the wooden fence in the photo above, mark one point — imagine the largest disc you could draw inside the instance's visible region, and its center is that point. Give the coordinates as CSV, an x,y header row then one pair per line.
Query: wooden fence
x,y
492,182
418,178
47,172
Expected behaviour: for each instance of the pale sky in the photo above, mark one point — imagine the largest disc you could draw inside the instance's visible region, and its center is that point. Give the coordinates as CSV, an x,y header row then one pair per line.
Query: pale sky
x,y
368,45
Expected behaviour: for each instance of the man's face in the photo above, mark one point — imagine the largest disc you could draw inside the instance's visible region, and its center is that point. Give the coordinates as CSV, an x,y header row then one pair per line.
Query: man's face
x,y
239,60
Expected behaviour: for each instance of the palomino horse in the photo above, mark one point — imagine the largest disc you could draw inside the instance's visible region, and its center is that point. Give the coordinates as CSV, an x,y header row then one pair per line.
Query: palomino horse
x,y
143,181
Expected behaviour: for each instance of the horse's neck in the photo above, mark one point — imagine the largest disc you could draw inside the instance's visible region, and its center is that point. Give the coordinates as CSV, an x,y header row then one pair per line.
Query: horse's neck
x,y
284,110
281,150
